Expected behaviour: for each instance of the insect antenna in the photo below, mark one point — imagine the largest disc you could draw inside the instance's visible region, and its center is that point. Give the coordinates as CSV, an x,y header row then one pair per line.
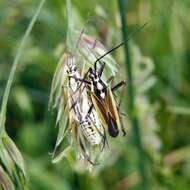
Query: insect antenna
x,y
101,69
122,43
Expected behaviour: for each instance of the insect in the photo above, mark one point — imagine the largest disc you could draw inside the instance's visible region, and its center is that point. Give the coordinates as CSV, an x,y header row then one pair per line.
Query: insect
x,y
101,94
104,101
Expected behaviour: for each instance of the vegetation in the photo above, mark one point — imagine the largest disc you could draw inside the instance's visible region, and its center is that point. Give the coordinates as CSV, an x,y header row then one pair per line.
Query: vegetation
x,y
158,151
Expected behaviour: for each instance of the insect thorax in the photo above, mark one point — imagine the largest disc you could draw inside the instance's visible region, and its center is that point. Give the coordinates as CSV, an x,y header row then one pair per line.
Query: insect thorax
x,y
98,85
99,88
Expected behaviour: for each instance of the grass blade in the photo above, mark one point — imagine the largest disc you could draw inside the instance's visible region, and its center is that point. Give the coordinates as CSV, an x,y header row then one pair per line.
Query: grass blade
x,y
134,119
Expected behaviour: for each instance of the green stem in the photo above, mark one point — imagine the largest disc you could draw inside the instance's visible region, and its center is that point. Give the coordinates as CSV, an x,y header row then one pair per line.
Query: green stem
x,y
134,119
14,67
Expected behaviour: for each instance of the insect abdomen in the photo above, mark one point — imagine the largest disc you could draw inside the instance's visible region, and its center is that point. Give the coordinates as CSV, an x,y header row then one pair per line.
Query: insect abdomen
x,y
112,127
90,132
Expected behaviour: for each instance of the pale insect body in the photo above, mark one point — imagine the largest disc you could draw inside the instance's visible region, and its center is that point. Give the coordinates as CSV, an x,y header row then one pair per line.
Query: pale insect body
x,y
73,93
92,129
88,122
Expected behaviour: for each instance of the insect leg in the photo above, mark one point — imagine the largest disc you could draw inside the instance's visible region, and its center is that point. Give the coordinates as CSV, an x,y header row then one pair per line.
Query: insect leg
x,y
105,141
118,85
85,154
90,109
73,106
81,80
74,103
122,125
110,80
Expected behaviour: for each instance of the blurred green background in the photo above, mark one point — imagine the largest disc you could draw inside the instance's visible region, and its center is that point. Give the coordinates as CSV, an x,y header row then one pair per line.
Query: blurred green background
x,y
160,55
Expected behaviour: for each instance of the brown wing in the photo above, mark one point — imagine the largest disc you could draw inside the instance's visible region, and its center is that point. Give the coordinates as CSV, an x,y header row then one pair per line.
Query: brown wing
x,y
111,104
104,108
100,107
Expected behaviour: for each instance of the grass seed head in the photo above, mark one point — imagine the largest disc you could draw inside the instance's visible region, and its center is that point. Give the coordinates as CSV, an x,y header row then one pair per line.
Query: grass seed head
x,y
72,101
12,169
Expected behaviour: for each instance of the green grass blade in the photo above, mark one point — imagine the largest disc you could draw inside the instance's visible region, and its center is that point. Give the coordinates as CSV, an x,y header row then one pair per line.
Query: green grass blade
x,y
133,116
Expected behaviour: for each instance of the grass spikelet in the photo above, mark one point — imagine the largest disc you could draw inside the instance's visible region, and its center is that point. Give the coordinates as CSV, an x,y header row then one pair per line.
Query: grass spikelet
x,y
87,51
5,180
84,130
13,163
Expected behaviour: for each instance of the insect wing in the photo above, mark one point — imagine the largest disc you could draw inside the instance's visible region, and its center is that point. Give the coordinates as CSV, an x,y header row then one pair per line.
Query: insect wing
x,y
107,111
100,108
111,104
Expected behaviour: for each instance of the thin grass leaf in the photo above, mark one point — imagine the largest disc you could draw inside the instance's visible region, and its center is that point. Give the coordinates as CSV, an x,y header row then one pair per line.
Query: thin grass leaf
x,y
62,126
57,78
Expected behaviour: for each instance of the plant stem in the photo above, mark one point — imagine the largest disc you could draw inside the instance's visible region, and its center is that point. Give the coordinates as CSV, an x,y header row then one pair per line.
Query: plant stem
x,y
134,119
14,67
